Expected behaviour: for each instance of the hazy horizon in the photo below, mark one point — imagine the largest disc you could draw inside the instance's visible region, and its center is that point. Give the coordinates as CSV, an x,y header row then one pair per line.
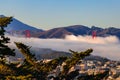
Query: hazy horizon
x,y
47,14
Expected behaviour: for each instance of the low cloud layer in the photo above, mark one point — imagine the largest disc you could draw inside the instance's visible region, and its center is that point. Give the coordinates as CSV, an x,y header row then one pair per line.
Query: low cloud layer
x,y
95,40
103,46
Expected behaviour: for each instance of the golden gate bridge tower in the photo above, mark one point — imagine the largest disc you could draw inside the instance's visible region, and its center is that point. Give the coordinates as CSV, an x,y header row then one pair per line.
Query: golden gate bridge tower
x,y
94,34
27,34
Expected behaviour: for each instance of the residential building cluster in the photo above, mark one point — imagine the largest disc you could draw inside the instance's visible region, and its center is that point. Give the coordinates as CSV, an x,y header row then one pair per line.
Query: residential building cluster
x,y
93,67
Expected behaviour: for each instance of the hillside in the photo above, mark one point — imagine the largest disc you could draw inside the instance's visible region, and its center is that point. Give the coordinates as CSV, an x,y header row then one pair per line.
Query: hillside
x,y
18,28
79,30
47,53
63,31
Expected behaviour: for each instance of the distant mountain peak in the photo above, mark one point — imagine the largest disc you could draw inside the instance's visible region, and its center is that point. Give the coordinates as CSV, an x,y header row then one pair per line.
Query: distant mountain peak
x,y
76,26
79,30
17,27
92,27
61,32
2,16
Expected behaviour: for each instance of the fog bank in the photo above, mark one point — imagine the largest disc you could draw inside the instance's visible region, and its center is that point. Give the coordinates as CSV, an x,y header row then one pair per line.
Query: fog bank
x,y
103,46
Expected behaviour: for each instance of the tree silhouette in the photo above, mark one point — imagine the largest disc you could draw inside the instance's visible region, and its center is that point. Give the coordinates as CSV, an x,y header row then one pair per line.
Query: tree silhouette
x,y
5,69
4,49
72,61
41,70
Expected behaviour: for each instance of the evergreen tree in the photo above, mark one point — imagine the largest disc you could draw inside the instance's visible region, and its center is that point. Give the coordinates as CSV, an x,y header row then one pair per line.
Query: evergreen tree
x,y
41,70
4,49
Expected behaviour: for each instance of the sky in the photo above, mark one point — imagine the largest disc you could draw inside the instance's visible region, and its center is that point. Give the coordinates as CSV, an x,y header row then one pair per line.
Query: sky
x,y
47,14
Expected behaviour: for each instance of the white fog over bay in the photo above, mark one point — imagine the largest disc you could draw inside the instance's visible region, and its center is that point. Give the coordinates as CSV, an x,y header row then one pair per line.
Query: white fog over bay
x,y
103,46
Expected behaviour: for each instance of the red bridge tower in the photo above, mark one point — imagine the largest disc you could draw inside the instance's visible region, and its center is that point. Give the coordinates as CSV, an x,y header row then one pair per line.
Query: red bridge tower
x,y
27,34
93,34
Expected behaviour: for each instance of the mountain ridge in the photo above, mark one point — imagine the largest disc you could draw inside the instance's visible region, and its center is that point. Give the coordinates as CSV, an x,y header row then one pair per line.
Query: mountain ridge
x,y
79,30
18,27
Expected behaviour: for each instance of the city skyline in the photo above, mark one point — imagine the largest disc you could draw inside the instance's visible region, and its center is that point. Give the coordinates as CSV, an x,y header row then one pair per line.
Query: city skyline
x,y
47,14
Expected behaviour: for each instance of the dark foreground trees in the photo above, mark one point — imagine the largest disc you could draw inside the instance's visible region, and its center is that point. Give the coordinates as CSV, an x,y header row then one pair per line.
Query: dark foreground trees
x,y
31,69
41,70
4,49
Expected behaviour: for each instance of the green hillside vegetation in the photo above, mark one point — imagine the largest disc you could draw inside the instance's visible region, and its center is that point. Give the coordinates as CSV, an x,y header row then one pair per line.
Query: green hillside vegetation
x,y
30,69
53,55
